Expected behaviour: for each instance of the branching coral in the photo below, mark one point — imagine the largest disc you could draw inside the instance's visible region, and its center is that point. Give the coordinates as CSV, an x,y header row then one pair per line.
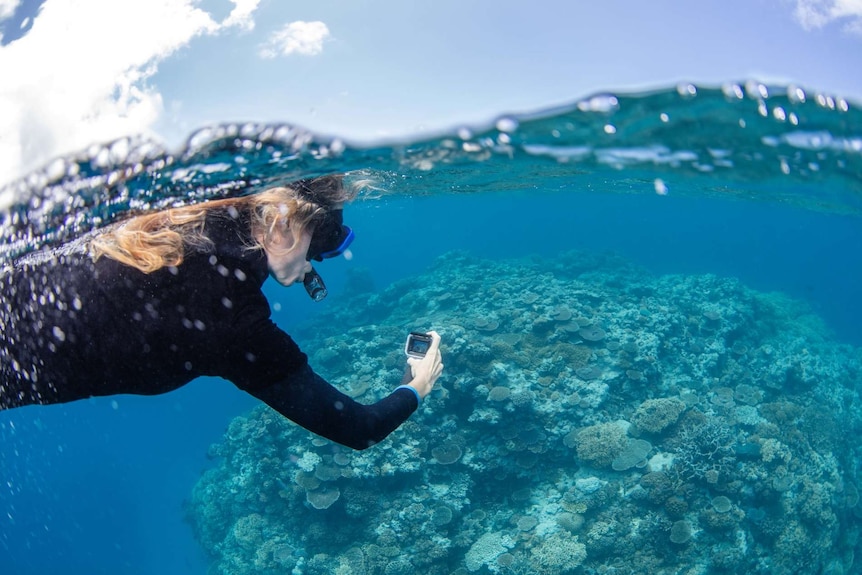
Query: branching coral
x,y
557,554
705,450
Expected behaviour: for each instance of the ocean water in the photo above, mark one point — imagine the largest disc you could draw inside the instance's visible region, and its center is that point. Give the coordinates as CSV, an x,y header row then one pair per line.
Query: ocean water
x,y
652,327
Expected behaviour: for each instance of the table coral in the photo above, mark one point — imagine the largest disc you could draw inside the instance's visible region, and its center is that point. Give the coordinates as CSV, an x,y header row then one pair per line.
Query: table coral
x,y
486,549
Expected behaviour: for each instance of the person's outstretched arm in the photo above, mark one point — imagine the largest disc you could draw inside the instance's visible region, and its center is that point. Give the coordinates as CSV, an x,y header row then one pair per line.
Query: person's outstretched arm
x,y
307,399
264,361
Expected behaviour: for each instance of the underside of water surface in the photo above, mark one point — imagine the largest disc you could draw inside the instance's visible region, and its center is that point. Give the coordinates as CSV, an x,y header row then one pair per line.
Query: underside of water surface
x,y
749,140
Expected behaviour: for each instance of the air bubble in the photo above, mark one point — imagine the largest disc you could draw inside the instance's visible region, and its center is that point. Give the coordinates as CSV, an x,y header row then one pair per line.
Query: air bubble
x,y
56,169
604,103
756,90
507,124
826,101
796,95
686,90
733,91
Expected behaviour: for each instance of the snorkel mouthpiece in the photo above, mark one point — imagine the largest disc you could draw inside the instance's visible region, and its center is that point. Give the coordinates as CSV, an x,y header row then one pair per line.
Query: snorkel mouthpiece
x,y
314,285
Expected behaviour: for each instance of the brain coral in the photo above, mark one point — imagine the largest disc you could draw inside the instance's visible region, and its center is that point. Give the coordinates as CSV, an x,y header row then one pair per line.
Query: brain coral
x,y
654,415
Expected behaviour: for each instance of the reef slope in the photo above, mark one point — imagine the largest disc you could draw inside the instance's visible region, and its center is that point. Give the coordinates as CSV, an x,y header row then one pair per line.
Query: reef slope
x,y
591,418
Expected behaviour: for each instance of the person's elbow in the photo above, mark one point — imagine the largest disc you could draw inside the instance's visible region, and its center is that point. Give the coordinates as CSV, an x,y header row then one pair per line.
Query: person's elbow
x,y
371,431
361,445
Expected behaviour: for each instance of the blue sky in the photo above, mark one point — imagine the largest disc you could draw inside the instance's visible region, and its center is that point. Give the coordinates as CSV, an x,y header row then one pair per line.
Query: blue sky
x,y
79,72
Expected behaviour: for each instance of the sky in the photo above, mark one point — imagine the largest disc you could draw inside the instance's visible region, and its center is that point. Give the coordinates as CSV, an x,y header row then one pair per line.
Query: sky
x,y
79,72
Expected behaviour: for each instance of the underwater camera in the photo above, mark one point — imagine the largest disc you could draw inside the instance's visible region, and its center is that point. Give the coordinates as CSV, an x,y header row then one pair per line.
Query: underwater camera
x,y
417,344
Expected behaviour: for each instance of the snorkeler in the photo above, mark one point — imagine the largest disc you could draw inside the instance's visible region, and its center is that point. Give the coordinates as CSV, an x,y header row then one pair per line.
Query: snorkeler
x,y
158,300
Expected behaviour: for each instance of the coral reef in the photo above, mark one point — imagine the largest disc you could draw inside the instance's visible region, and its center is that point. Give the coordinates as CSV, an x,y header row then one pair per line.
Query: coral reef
x,y
592,418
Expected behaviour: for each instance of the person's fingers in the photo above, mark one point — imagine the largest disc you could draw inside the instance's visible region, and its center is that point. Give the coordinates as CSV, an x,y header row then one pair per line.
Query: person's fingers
x,y
435,342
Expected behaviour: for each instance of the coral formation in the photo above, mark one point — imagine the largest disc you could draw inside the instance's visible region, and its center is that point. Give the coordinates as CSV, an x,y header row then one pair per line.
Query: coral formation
x,y
557,554
633,454
611,422
600,444
680,532
486,550
654,415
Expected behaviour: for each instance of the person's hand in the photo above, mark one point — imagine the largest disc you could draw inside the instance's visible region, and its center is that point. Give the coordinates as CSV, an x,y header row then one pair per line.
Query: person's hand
x,y
427,369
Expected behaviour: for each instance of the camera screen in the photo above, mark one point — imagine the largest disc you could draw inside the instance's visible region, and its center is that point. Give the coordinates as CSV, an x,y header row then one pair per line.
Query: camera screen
x,y
419,346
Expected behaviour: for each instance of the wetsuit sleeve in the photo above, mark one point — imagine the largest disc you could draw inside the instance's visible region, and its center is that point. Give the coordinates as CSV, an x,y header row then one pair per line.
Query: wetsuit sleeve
x,y
264,361
308,400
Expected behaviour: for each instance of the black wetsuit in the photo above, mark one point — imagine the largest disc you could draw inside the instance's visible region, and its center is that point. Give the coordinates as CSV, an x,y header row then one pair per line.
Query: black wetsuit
x,y
71,328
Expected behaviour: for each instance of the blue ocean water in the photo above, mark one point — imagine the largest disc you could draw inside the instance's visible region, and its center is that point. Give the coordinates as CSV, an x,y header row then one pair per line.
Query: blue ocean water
x,y
751,182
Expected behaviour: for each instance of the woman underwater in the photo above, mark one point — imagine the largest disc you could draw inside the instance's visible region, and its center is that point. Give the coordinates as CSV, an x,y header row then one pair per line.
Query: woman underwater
x,y
154,302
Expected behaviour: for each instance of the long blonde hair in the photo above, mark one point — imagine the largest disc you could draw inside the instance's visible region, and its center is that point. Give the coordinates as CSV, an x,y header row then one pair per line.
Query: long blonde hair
x,y
153,241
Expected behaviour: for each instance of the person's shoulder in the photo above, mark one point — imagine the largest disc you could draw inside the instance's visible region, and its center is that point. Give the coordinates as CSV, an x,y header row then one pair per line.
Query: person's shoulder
x,y
226,226
230,234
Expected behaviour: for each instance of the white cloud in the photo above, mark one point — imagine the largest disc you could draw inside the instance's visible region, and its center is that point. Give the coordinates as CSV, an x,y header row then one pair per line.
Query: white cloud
x,y
814,14
7,8
241,15
299,37
80,75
